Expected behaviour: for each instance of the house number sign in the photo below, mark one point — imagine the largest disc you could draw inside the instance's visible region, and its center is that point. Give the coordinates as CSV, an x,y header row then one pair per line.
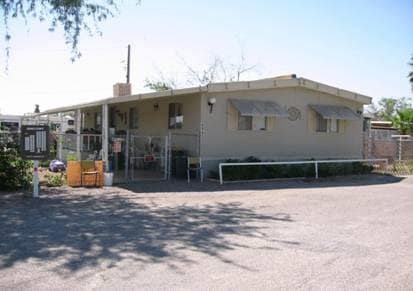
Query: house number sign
x,y
294,114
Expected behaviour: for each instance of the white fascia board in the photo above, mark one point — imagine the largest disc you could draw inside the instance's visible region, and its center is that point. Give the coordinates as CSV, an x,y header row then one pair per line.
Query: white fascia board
x,y
123,99
313,85
269,83
287,83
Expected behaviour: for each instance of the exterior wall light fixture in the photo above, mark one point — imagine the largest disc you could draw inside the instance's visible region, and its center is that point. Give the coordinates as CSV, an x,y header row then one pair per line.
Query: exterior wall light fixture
x,y
211,102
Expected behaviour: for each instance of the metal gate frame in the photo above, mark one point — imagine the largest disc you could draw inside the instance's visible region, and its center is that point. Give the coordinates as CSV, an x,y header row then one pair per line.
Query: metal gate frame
x,y
164,155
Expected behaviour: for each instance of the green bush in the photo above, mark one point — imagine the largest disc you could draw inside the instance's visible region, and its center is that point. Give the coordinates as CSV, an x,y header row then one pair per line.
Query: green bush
x,y
55,180
256,172
15,173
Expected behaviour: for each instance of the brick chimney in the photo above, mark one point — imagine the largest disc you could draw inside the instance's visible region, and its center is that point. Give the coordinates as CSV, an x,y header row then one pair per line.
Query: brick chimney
x,y
122,89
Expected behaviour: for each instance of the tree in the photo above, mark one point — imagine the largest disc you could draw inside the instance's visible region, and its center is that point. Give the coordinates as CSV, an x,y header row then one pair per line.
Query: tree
x,y
158,86
387,108
404,121
74,16
216,70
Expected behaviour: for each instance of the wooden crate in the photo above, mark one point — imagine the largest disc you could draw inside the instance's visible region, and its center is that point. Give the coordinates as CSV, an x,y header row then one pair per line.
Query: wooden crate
x,y
76,168
73,172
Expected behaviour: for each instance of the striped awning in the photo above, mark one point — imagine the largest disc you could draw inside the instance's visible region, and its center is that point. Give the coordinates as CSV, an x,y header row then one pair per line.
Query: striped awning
x,y
335,112
259,108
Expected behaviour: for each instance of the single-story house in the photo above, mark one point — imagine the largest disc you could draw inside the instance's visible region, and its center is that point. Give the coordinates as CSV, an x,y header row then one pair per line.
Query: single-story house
x,y
281,118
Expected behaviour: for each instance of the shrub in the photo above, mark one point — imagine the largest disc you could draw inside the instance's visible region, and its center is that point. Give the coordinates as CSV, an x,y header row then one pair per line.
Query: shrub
x,y
15,173
55,180
256,172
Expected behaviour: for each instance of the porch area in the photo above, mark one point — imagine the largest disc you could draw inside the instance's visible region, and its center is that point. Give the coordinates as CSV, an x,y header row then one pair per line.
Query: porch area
x,y
137,140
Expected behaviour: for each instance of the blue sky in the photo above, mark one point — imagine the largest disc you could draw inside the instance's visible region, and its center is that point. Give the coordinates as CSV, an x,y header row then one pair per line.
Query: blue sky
x,y
362,46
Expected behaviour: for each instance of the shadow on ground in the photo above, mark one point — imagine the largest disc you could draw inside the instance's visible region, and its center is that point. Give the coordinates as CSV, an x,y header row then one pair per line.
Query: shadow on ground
x,y
73,230
209,186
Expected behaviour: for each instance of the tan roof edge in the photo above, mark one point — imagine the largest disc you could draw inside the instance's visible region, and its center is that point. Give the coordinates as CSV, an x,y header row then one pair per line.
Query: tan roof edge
x,y
122,99
267,83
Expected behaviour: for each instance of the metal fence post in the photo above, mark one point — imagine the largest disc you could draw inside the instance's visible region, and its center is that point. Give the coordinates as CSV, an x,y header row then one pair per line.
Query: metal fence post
x,y
78,135
169,155
127,156
166,176
316,169
221,178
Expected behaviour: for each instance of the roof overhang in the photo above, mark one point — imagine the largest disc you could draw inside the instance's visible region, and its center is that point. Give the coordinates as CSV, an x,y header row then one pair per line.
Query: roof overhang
x,y
123,99
269,83
286,83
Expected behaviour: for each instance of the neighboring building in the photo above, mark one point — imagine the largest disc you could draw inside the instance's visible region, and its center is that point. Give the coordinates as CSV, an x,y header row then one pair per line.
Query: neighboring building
x,y
282,118
384,141
13,123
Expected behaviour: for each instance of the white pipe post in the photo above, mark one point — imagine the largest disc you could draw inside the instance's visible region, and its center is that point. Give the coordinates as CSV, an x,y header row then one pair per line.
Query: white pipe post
x,y
166,164
127,156
60,139
35,179
221,178
78,136
105,136
400,148
169,155
316,169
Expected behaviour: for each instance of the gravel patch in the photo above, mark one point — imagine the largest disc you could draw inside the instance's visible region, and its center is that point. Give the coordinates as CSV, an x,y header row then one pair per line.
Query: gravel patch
x,y
342,233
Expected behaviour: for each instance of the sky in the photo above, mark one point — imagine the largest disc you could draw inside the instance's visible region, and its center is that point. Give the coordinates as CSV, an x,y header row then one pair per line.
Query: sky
x,y
362,46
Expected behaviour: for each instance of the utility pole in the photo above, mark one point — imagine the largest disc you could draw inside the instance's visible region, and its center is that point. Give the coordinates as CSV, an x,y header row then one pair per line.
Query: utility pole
x,y
128,66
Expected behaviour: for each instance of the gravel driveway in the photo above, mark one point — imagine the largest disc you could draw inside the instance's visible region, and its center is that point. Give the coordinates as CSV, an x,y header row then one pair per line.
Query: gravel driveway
x,y
344,233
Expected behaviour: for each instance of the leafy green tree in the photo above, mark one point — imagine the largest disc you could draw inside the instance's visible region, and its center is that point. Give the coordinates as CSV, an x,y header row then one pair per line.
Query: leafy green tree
x,y
387,108
74,16
404,121
158,86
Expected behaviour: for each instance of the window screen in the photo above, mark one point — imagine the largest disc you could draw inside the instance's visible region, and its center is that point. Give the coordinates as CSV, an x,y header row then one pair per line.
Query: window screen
x,y
175,116
321,123
244,122
133,118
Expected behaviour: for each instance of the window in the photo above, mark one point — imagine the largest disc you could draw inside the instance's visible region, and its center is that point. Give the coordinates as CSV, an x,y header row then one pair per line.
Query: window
x,y
333,125
326,125
175,116
244,122
133,118
98,120
71,122
252,122
9,125
259,123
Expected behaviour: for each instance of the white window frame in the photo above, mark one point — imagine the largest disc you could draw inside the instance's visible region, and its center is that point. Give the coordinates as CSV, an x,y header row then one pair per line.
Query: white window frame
x,y
251,123
331,125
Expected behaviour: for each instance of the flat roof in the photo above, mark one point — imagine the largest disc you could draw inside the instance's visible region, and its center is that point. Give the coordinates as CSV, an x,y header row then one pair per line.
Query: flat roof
x,y
267,83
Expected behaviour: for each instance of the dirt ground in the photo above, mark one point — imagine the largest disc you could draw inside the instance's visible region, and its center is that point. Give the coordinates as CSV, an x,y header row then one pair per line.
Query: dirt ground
x,y
343,233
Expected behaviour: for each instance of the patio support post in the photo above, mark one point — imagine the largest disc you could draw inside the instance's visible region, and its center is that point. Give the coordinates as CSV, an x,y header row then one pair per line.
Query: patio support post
x,y
127,156
60,138
105,136
78,136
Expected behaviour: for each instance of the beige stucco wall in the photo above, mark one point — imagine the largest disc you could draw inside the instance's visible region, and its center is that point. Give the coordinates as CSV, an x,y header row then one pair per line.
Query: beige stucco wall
x,y
153,122
289,140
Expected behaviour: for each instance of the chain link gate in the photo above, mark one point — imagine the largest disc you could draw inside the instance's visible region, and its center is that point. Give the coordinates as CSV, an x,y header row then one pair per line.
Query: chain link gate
x,y
148,157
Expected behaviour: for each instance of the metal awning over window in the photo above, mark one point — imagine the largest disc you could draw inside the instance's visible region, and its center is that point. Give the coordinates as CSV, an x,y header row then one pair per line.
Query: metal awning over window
x,y
259,108
335,112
